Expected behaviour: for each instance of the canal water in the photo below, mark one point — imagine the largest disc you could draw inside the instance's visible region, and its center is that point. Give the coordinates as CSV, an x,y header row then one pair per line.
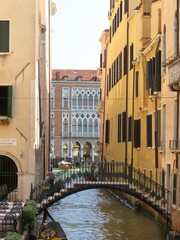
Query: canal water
x,y
98,215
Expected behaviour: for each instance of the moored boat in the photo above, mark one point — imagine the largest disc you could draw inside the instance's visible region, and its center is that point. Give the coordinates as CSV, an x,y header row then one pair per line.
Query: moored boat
x,y
50,229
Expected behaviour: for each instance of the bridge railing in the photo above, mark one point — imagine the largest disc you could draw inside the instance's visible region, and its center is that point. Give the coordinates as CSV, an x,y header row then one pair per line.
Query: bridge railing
x,y
114,172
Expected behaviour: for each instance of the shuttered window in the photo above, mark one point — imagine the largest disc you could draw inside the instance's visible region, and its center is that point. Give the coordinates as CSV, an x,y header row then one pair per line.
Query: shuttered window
x,y
131,56
124,126
119,128
6,101
129,128
125,60
137,84
149,130
101,60
4,36
104,62
174,187
158,72
125,6
137,133
120,66
107,131
120,12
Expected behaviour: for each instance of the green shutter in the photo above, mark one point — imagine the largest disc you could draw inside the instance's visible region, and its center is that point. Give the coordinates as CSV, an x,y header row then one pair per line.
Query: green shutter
x,y
9,101
4,36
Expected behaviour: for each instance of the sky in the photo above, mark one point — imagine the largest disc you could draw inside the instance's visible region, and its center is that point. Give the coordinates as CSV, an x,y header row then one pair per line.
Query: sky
x,y
77,27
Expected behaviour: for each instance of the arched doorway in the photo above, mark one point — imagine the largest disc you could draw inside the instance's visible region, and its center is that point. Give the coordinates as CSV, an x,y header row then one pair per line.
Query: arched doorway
x,y
8,173
87,151
76,151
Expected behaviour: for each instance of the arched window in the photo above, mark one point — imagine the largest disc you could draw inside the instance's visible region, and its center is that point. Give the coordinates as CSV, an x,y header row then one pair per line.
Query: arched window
x,y
65,126
79,126
74,126
85,101
79,101
65,100
90,126
96,126
85,126
74,101
90,101
95,101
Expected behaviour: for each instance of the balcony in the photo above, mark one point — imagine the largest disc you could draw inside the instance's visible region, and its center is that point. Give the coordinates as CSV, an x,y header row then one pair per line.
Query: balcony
x,y
173,65
162,147
80,135
174,145
100,107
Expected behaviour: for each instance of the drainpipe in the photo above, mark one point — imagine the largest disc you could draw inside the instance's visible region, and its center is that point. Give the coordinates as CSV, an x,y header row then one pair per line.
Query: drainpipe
x,y
132,123
127,61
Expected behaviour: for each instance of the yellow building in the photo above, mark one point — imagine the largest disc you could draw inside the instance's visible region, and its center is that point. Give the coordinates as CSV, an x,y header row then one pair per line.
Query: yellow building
x,y
25,72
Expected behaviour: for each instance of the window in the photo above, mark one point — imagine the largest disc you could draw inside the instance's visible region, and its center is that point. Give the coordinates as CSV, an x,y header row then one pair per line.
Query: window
x,y
137,133
65,126
174,187
90,126
131,56
85,101
125,60
90,101
137,84
129,128
4,36
6,101
74,126
85,126
79,101
149,130
65,101
124,126
74,101
119,128
79,126
107,131
96,126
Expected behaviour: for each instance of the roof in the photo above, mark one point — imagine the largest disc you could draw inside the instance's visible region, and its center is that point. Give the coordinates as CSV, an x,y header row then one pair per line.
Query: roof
x,y
72,74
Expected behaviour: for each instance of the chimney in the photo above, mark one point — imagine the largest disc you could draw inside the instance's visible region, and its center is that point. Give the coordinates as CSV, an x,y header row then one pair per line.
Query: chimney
x,y
146,22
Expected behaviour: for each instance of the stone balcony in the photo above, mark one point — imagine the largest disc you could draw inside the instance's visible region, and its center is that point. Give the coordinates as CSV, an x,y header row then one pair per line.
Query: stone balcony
x,y
173,65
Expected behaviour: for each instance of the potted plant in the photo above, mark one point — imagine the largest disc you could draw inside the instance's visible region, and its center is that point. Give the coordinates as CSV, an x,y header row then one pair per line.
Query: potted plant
x,y
4,121
13,236
29,214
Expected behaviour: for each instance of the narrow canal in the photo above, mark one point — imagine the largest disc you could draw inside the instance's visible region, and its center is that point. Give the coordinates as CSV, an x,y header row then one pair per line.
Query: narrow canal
x,y
98,215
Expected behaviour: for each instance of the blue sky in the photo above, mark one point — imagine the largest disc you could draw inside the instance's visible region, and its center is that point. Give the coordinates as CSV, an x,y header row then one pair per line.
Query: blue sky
x,y
77,27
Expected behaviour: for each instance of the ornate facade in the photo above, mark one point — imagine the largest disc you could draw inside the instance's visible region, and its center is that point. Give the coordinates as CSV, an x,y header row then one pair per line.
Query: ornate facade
x,y
75,124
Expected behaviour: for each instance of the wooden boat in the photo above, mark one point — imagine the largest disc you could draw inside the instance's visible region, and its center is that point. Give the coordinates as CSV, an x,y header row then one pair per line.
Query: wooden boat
x,y
50,229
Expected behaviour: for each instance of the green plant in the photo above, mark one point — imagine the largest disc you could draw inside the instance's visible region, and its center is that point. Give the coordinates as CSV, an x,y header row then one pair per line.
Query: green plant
x,y
29,213
12,236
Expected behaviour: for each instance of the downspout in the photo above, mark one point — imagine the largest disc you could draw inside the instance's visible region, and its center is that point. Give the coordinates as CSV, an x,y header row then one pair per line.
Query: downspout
x,y
177,122
49,36
132,122
104,108
127,85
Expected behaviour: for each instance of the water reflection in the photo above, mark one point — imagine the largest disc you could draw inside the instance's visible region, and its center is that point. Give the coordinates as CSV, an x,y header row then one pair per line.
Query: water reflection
x,y
97,215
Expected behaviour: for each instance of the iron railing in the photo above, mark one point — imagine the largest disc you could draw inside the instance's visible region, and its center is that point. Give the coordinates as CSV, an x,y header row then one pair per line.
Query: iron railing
x,y
109,175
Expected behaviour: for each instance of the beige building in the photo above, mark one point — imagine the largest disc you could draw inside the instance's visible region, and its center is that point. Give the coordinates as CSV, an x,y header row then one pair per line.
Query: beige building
x,y
25,71
75,124
170,102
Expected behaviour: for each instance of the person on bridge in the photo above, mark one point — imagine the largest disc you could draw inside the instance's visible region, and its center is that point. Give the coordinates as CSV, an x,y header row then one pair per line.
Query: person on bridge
x,y
51,177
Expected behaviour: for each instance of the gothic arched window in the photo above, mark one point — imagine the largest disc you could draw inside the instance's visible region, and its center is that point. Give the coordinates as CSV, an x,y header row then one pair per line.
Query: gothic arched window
x,y
74,101
79,101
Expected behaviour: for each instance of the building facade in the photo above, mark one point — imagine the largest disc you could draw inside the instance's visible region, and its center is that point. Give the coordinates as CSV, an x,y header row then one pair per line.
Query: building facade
x,y
25,70
141,91
75,124
170,102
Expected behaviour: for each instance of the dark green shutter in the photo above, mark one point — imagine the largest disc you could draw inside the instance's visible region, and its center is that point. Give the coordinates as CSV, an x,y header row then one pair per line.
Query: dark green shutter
x,y
9,110
4,36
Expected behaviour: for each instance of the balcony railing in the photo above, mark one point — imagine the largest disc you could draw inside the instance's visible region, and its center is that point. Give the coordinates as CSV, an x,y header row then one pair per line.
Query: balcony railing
x,y
173,70
100,107
174,145
80,134
162,146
